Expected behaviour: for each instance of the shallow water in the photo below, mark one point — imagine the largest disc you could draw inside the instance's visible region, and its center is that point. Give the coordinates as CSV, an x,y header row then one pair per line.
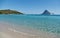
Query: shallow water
x,y
41,23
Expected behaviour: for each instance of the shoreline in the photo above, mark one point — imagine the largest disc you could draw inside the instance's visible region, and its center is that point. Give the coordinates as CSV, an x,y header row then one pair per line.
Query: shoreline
x,y
7,31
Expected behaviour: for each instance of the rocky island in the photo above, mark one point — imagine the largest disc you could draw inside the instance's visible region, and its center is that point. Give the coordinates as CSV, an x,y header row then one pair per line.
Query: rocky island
x,y
8,11
46,12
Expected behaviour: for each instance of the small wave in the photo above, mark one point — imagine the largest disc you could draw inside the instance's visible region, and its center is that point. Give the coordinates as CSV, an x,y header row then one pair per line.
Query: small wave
x,y
20,32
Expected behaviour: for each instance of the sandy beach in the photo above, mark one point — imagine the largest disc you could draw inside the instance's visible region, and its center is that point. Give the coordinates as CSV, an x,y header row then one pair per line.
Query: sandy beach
x,y
7,32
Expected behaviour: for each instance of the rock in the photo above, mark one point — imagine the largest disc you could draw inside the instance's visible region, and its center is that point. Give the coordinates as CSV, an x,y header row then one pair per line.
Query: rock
x,y
46,12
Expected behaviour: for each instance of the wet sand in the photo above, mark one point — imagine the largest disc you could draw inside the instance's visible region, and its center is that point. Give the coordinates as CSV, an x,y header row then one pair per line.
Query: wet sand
x,y
8,32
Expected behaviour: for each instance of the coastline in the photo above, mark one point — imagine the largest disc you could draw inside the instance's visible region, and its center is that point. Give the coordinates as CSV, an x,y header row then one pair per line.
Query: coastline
x,y
9,32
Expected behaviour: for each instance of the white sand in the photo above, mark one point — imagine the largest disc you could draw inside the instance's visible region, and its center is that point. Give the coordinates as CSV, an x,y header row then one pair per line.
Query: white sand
x,y
8,32
4,35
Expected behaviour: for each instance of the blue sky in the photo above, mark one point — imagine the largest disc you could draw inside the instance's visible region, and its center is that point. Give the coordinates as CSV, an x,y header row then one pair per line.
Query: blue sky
x,y
31,6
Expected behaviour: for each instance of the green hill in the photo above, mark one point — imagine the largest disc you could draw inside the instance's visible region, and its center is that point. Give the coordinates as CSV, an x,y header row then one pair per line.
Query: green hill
x,y
8,11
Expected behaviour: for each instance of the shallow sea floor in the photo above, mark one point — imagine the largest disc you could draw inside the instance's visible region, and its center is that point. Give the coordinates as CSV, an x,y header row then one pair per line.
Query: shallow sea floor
x,y
22,26
6,31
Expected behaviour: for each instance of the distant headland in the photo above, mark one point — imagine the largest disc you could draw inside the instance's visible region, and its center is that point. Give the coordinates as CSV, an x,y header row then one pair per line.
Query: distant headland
x,y
8,11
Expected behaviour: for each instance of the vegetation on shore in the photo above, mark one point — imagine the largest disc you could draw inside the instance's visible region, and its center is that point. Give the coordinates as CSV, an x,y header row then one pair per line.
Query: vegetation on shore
x,y
8,11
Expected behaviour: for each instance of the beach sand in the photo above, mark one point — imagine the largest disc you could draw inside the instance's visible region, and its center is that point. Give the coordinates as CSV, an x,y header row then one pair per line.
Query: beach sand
x,y
8,32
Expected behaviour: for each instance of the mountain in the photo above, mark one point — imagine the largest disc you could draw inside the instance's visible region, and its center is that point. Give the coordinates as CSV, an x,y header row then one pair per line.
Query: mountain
x,y
8,11
46,12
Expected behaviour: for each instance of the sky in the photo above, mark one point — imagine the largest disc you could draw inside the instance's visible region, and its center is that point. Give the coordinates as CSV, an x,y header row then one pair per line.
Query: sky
x,y
31,6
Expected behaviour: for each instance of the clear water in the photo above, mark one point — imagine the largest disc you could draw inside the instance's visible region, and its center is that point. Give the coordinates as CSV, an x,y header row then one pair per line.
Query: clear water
x,y
45,23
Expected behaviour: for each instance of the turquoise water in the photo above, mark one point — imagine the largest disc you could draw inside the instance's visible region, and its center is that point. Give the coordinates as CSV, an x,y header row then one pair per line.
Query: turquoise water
x,y
44,23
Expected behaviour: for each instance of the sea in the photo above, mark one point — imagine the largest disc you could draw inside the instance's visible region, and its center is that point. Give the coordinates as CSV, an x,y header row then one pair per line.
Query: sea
x,y
44,23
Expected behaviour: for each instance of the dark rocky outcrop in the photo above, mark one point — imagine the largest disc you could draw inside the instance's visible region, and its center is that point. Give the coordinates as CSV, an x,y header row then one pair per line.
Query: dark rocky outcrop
x,y
46,12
